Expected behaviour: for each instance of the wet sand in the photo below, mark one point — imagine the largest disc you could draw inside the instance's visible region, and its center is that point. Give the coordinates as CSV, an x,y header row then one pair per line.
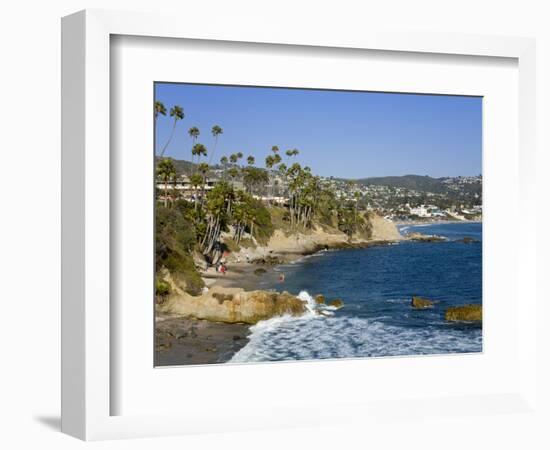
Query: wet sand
x,y
181,341
241,274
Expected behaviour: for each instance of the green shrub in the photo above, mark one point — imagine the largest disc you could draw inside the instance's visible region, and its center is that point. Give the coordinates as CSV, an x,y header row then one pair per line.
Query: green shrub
x,y
175,239
162,288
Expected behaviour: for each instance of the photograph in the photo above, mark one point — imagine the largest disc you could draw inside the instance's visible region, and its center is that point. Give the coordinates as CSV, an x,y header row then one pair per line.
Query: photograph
x,y
300,224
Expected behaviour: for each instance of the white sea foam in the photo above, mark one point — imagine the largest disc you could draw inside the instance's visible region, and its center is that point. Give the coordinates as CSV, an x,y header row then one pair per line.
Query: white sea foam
x,y
314,336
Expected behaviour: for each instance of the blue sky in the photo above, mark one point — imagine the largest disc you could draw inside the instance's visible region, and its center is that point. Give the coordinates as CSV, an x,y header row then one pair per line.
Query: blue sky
x,y
338,133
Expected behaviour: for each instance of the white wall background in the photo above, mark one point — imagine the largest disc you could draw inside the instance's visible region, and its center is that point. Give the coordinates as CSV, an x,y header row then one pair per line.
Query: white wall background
x,y
30,195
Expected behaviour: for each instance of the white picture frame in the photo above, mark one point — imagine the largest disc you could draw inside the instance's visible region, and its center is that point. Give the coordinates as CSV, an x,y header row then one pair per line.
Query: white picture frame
x,y
87,355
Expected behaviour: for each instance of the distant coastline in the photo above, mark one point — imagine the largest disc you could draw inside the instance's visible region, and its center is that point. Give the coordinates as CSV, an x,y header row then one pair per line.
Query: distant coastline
x,y
432,221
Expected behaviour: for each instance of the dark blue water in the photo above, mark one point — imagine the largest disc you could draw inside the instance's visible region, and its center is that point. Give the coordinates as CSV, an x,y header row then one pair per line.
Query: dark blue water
x,y
376,285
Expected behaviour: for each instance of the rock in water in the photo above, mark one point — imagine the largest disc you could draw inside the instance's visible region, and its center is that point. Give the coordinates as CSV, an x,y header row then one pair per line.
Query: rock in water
x,y
337,303
320,299
421,303
466,313
467,240
415,236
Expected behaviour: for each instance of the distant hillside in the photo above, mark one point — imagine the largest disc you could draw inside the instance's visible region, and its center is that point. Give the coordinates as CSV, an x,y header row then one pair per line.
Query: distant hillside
x,y
414,182
184,167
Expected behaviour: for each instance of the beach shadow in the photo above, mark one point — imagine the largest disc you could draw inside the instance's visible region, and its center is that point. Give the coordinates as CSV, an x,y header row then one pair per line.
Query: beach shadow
x,y
51,422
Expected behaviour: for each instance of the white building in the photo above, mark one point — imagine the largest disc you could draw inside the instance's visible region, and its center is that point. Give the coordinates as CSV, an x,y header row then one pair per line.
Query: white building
x,y
420,211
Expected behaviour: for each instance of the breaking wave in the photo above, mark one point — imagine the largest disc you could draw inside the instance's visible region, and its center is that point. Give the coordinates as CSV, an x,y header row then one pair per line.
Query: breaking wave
x,y
324,334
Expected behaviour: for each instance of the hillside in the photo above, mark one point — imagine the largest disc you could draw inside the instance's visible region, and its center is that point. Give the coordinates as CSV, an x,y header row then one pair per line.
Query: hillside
x,y
413,182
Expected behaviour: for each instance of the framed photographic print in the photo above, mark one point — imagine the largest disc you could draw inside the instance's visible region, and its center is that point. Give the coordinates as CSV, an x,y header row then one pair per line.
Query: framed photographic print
x,y
323,211
278,255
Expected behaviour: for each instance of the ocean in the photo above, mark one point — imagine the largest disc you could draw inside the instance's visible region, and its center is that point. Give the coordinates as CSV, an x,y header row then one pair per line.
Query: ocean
x,y
376,285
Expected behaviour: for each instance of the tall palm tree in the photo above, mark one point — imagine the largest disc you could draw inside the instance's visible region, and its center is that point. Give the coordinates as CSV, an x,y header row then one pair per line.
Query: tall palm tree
x,y
159,109
166,171
199,150
250,160
216,131
194,133
239,155
269,163
224,161
293,152
177,113
196,181
275,149
203,170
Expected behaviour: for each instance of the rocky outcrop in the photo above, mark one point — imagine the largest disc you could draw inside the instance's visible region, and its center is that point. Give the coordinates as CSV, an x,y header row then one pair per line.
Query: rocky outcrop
x,y
337,303
383,229
282,247
466,313
467,240
421,303
320,299
425,237
234,305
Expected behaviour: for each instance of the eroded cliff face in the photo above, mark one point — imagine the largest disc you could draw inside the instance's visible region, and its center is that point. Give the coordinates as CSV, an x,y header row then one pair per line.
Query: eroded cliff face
x,y
303,243
384,230
233,305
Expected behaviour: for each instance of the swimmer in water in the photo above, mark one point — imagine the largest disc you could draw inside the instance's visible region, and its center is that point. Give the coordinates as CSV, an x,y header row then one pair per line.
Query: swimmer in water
x,y
282,278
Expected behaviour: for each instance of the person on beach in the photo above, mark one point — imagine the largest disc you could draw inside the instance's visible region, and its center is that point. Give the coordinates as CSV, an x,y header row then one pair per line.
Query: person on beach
x,y
282,278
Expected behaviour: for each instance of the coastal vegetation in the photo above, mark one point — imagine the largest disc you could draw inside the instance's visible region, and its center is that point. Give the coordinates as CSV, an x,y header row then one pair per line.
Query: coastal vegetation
x,y
245,234
240,209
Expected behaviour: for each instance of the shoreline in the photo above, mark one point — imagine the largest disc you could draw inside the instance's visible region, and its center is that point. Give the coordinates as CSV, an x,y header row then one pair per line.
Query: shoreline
x,y
186,341
433,222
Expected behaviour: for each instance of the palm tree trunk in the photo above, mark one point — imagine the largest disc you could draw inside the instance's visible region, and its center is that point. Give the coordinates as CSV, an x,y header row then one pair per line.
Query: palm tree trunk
x,y
213,151
169,139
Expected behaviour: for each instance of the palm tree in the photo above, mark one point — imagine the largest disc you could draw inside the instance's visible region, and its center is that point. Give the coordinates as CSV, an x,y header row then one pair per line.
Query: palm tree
x,y
250,160
357,196
166,171
275,149
203,169
216,131
224,161
293,152
177,113
194,133
159,108
269,163
196,181
199,150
